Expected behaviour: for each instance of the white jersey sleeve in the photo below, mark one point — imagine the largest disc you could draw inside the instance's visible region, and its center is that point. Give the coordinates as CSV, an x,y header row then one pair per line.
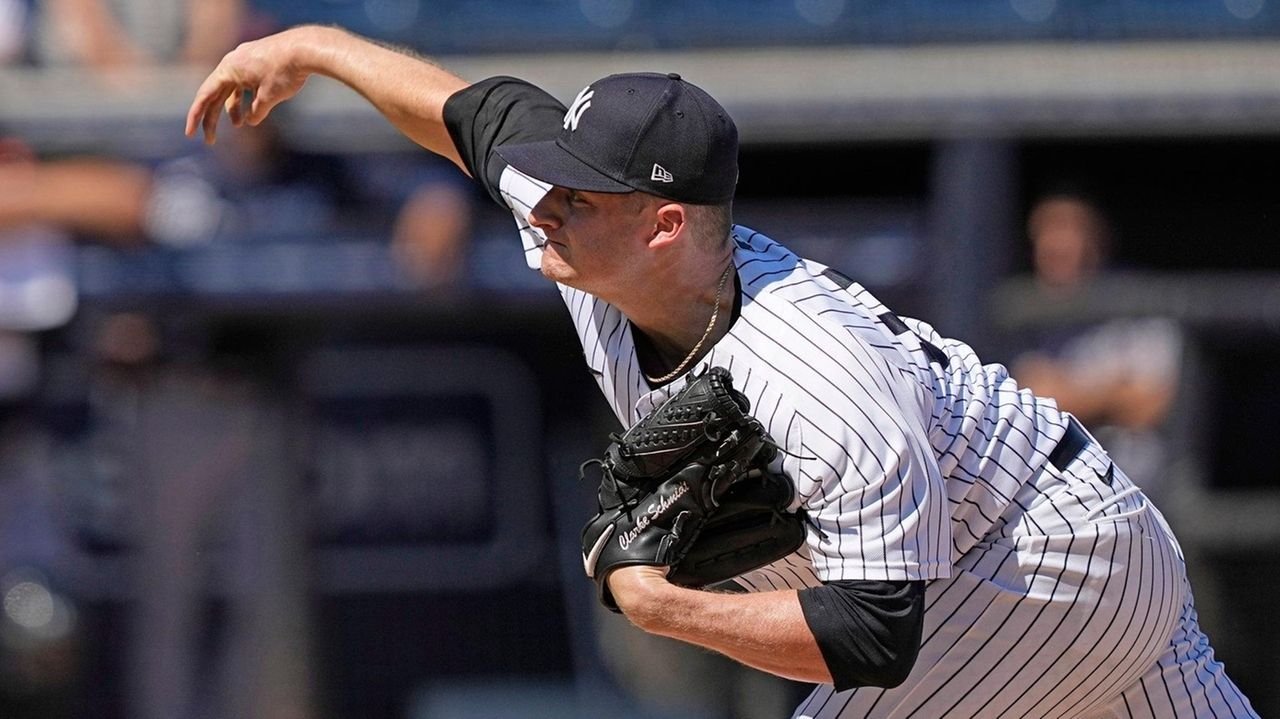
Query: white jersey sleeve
x,y
878,505
520,193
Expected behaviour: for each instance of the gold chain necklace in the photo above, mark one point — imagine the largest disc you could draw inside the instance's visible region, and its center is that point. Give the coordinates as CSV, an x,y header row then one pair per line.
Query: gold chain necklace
x,y
715,315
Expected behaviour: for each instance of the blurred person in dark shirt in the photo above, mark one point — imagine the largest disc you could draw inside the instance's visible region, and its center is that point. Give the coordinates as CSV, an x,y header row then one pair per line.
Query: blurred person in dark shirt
x,y
1120,375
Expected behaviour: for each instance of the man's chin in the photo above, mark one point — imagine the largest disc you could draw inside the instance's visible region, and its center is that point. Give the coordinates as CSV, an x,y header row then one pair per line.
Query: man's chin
x,y
555,269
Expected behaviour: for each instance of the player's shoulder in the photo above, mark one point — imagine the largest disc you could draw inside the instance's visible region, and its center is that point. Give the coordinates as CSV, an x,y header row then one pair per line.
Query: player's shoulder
x,y
781,281
761,260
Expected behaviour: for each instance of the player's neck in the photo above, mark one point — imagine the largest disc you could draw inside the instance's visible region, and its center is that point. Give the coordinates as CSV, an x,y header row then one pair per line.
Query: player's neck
x,y
681,311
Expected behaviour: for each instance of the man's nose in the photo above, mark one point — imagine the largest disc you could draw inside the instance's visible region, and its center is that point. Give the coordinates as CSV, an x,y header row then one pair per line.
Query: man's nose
x,y
545,215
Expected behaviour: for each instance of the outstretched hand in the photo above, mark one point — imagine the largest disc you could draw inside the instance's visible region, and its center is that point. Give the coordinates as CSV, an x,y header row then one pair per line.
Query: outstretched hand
x,y
255,77
270,70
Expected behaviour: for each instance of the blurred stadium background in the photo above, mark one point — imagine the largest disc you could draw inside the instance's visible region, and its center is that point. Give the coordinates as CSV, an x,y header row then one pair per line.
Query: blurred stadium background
x,y
287,430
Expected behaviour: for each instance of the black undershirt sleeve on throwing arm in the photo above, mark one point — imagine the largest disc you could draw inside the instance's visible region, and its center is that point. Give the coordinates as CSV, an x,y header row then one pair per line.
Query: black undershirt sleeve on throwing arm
x,y
495,112
868,631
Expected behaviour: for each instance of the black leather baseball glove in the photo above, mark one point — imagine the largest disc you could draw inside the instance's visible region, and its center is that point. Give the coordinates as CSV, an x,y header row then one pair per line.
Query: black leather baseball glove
x,y
688,487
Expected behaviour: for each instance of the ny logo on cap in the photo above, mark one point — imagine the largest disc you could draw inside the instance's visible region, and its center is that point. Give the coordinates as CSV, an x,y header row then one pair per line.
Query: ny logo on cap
x,y
579,106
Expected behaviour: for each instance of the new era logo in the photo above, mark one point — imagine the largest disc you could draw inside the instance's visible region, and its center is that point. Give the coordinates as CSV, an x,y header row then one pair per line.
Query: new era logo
x,y
660,174
579,106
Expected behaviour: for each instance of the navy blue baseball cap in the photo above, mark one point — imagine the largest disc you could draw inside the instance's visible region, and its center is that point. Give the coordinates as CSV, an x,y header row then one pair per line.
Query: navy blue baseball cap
x,y
639,131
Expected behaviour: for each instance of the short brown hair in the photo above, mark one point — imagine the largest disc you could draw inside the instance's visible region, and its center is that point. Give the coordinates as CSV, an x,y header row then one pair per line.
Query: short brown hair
x,y
711,223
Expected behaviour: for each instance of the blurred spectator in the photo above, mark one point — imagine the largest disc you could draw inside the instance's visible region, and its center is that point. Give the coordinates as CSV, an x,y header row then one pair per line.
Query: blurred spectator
x,y
248,188
431,206
104,198
1118,376
115,33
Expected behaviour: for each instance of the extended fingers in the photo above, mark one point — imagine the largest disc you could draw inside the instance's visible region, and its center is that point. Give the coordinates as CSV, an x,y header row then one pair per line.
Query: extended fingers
x,y
261,106
214,97
261,68
212,111
194,113
206,107
209,89
233,107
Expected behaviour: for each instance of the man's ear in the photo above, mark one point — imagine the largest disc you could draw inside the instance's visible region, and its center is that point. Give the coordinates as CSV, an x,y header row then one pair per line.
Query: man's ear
x,y
670,226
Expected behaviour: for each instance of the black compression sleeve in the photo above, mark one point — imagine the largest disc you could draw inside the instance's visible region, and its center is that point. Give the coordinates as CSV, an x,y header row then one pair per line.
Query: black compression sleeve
x,y
869,632
495,112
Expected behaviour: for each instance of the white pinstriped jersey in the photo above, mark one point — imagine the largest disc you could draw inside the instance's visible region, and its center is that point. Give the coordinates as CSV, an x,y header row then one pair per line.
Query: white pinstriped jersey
x,y
905,449
1058,592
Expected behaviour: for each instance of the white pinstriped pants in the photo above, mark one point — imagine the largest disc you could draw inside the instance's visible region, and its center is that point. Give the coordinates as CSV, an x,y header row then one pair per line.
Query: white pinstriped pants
x,y
1078,607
